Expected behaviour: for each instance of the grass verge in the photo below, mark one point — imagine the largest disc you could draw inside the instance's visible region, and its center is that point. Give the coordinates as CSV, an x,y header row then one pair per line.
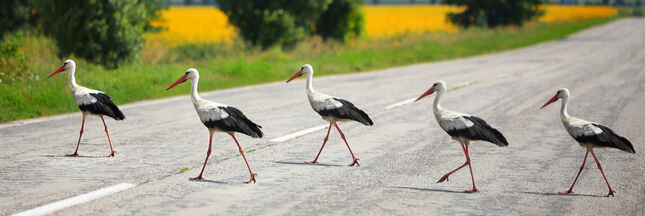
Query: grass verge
x,y
39,96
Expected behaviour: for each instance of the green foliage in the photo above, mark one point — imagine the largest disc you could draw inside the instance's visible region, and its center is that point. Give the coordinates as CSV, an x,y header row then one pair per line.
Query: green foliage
x,y
493,13
277,22
13,15
342,20
638,12
12,59
102,31
153,13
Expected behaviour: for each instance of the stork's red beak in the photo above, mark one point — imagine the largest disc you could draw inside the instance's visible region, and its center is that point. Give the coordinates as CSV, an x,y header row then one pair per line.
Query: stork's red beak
x,y
61,68
553,99
180,80
296,75
429,92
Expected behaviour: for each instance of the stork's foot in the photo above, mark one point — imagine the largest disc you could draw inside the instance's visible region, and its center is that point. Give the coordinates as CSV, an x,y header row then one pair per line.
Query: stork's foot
x,y
474,190
355,162
311,162
72,155
197,178
111,154
252,178
611,193
444,178
567,192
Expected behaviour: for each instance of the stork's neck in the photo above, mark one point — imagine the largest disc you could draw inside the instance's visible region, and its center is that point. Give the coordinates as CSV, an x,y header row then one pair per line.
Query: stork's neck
x,y
563,108
72,79
193,90
436,106
310,85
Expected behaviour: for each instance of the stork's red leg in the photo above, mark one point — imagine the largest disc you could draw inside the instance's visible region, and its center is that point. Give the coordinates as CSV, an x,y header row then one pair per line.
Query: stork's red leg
x,y
445,177
208,154
581,168
321,148
79,137
471,172
611,192
109,140
355,159
247,162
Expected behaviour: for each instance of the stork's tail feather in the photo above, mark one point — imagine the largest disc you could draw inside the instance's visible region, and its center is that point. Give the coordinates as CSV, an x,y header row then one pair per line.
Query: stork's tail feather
x,y
103,106
252,129
611,139
350,111
244,124
483,131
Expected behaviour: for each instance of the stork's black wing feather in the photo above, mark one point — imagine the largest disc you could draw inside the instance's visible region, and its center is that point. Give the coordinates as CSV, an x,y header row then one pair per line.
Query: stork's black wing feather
x,y
103,106
347,111
480,131
236,122
608,138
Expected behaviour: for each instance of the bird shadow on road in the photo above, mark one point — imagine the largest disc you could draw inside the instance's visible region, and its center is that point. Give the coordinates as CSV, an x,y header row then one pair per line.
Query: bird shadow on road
x,y
303,163
559,194
207,181
65,156
428,189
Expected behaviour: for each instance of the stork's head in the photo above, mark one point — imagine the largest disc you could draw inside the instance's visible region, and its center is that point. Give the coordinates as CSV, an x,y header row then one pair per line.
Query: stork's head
x,y
305,69
191,73
562,93
438,86
69,64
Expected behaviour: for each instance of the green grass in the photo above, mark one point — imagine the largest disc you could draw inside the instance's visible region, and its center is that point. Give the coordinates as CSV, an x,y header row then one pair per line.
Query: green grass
x,y
35,95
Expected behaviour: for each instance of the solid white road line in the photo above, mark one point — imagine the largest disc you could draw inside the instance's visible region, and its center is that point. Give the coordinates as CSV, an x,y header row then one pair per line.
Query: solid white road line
x,y
298,133
400,103
49,208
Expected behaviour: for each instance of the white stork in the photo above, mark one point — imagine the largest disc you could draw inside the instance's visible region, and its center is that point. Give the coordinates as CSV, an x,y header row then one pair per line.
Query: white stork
x,y
332,109
463,128
91,102
589,135
219,118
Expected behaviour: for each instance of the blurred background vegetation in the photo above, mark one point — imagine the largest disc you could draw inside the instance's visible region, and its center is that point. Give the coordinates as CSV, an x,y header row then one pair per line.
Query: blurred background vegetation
x,y
133,49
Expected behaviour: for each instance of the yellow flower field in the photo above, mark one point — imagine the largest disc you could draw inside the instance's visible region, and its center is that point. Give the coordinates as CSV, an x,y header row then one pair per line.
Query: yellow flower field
x,y
387,21
559,13
193,24
205,24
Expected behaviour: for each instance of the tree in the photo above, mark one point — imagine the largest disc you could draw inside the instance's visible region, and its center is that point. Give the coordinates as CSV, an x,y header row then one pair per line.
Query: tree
x,y
493,13
342,20
267,23
13,15
106,31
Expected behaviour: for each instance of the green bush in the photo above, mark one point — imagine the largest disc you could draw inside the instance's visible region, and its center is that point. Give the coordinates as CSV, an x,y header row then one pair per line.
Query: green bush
x,y
102,31
12,59
277,22
493,13
13,15
342,20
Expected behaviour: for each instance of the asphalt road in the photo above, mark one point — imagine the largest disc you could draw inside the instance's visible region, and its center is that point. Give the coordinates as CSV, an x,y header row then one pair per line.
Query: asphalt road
x,y
402,155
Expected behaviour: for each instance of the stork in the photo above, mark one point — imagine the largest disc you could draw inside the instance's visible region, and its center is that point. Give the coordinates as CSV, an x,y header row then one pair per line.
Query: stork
x,y
91,102
463,128
332,109
589,135
219,118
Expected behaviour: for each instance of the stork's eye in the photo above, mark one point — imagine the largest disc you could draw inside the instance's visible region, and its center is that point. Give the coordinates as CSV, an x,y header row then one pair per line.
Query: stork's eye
x,y
186,74
302,68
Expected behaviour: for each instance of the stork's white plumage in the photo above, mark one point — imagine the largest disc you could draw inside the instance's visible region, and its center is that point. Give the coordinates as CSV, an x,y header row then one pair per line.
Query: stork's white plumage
x,y
219,118
332,109
589,135
91,102
462,128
